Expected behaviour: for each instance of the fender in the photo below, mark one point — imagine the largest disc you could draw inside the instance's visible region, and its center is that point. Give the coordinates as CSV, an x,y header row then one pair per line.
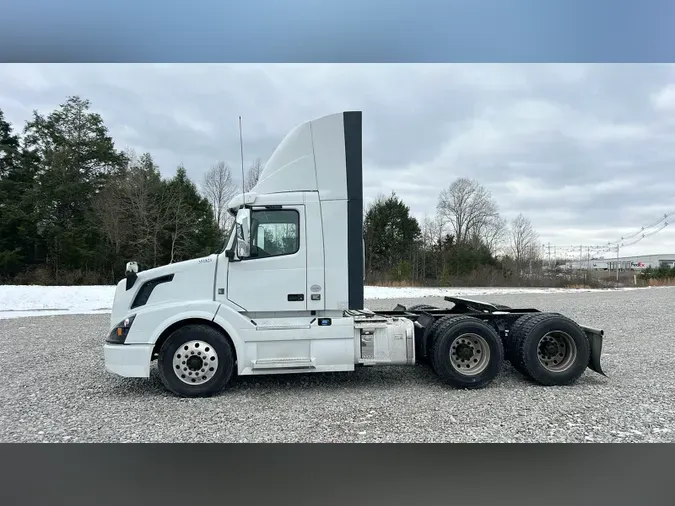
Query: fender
x,y
151,322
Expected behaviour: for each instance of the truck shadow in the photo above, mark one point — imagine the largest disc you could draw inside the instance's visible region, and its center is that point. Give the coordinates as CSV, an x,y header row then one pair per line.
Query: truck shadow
x,y
380,378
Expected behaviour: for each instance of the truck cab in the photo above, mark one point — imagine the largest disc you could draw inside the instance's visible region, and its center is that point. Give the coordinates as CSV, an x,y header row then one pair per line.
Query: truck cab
x,y
286,293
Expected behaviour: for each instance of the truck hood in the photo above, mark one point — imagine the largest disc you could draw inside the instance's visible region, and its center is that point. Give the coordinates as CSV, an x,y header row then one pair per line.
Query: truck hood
x,y
192,280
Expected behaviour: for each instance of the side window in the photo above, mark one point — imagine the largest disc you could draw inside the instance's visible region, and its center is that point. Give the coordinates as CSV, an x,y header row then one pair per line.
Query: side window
x,y
275,232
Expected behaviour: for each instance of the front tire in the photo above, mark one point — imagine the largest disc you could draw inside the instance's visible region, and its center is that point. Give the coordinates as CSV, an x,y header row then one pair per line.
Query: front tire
x,y
467,353
196,361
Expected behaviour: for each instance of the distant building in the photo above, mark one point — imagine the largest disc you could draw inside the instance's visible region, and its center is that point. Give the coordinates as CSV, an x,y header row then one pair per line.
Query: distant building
x,y
633,263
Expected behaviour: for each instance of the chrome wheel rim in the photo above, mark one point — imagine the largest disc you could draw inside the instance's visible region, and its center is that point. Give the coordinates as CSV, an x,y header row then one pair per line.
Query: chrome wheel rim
x,y
195,362
556,351
469,354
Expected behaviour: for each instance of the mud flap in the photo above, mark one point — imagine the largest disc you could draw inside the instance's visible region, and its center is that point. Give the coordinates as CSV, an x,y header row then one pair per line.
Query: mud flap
x,y
595,340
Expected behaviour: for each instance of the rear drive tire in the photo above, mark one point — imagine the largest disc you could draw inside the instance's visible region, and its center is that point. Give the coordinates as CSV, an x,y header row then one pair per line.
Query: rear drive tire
x,y
196,361
431,334
509,342
549,349
467,353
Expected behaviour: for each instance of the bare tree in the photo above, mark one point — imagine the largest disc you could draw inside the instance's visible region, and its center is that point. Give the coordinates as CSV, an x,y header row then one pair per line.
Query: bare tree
x,y
437,240
495,234
468,207
432,239
147,208
253,175
524,241
219,187
181,219
110,211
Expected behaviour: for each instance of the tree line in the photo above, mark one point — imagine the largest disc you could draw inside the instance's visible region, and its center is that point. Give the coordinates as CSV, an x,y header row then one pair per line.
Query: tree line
x,y
74,208
466,242
661,273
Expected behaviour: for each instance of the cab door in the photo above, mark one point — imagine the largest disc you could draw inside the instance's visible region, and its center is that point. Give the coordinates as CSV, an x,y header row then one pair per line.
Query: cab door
x,y
274,277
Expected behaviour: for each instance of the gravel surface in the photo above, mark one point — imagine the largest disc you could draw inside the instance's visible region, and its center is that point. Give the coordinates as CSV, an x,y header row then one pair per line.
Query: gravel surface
x,y
55,389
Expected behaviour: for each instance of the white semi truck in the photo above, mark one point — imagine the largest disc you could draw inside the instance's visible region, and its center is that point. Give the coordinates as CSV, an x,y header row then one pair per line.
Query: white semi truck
x,y
286,294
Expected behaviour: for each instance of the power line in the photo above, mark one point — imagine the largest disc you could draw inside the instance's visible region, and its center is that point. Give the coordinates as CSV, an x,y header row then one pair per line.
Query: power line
x,y
648,234
627,240
642,229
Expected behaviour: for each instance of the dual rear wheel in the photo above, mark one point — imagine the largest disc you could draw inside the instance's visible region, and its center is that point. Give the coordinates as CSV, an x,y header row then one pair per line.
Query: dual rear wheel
x,y
547,348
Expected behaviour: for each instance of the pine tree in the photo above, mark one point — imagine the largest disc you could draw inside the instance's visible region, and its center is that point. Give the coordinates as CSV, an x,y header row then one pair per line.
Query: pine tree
x,y
12,186
389,232
77,157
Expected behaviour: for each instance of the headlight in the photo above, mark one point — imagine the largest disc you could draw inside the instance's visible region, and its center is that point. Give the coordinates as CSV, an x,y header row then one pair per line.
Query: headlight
x,y
119,333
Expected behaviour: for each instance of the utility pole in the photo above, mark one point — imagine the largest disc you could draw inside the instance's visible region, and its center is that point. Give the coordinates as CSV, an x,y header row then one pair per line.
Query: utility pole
x,y
549,255
617,263
581,257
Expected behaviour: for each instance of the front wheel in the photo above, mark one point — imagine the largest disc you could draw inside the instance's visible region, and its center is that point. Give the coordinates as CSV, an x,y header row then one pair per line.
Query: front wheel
x,y
196,361
467,353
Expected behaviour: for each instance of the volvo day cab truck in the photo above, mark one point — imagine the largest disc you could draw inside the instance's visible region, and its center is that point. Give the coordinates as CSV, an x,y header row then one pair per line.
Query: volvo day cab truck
x,y
286,295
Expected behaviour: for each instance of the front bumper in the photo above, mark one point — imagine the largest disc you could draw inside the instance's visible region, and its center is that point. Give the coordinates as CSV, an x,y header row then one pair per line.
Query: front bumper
x,y
128,360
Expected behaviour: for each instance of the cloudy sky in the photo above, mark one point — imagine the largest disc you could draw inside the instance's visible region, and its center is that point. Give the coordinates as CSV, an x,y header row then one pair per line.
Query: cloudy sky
x,y
587,152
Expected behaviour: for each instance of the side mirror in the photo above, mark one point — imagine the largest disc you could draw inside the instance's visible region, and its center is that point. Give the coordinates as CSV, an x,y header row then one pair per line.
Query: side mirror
x,y
243,233
131,274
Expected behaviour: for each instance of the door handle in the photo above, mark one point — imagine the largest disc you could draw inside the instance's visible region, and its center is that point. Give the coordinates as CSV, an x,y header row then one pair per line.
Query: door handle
x,y
296,297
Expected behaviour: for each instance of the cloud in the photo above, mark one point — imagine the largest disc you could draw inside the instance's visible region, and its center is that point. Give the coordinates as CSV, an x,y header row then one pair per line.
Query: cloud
x,y
585,151
664,99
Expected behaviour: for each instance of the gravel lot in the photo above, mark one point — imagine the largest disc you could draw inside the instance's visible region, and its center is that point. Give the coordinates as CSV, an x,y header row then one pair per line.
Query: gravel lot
x,y
55,389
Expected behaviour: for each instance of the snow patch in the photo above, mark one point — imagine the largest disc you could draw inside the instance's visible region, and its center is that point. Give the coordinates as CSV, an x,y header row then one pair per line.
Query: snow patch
x,y
32,300
381,292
